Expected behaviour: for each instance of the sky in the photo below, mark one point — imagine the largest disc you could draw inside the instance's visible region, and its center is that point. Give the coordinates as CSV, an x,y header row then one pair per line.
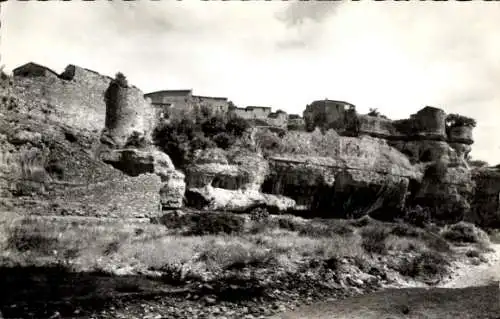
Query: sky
x,y
395,56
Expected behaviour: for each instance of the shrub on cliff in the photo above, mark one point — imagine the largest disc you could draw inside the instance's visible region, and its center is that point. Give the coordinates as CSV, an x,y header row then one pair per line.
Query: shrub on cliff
x,y
121,80
237,126
454,120
175,139
224,140
181,138
477,163
268,142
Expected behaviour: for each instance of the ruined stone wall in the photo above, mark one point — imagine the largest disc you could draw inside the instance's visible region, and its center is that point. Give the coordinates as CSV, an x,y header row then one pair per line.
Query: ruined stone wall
x,y
77,99
127,112
77,104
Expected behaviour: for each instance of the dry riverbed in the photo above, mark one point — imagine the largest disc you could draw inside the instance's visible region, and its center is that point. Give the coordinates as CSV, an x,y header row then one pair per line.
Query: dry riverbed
x,y
211,265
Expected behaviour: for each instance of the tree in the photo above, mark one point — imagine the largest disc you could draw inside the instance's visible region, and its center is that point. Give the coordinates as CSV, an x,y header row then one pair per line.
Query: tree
x,y
374,112
121,80
237,126
456,120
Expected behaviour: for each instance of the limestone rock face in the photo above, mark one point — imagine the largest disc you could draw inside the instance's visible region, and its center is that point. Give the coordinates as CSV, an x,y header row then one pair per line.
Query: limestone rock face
x,y
460,134
426,151
448,195
363,174
486,203
50,169
135,162
221,181
237,171
173,190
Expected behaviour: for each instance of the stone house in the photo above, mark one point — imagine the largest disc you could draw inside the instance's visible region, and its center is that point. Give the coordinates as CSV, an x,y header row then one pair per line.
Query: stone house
x,y
252,112
168,101
326,113
32,69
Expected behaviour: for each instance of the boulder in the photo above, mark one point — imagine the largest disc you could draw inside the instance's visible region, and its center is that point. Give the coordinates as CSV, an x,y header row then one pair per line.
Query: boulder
x,y
210,198
134,162
217,169
173,189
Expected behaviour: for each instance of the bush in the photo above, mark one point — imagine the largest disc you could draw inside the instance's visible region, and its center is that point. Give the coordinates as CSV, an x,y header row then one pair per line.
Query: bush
x,y
215,223
198,224
121,80
181,138
426,265
224,140
417,216
268,142
23,241
136,140
237,126
259,214
288,224
374,238
464,232
454,120
213,126
200,142
404,230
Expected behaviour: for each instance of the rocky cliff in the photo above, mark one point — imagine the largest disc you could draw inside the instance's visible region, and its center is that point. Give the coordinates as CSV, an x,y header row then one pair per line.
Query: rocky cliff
x,y
52,162
54,158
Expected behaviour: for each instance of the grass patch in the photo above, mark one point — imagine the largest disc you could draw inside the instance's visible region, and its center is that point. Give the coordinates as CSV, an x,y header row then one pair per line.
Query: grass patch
x,y
374,239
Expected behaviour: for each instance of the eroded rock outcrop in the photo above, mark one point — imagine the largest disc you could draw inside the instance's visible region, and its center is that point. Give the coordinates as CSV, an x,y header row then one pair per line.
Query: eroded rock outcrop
x,y
363,171
210,198
51,169
486,203
230,181
135,162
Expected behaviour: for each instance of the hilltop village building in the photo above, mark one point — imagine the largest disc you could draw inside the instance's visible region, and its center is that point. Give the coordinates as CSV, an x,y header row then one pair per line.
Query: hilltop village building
x,y
330,113
168,101
32,69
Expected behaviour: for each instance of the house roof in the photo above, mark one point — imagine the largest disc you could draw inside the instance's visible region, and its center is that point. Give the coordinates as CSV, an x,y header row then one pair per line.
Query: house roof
x,y
333,101
33,64
170,92
258,107
210,97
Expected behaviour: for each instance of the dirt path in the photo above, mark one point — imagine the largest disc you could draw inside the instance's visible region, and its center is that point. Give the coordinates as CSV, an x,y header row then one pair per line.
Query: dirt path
x,y
472,292
480,275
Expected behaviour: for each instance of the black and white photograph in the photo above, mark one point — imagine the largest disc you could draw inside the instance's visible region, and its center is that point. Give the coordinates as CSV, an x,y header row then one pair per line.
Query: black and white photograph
x,y
250,159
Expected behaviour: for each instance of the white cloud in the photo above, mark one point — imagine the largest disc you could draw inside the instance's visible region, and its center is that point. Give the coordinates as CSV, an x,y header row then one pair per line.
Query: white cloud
x,y
395,56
